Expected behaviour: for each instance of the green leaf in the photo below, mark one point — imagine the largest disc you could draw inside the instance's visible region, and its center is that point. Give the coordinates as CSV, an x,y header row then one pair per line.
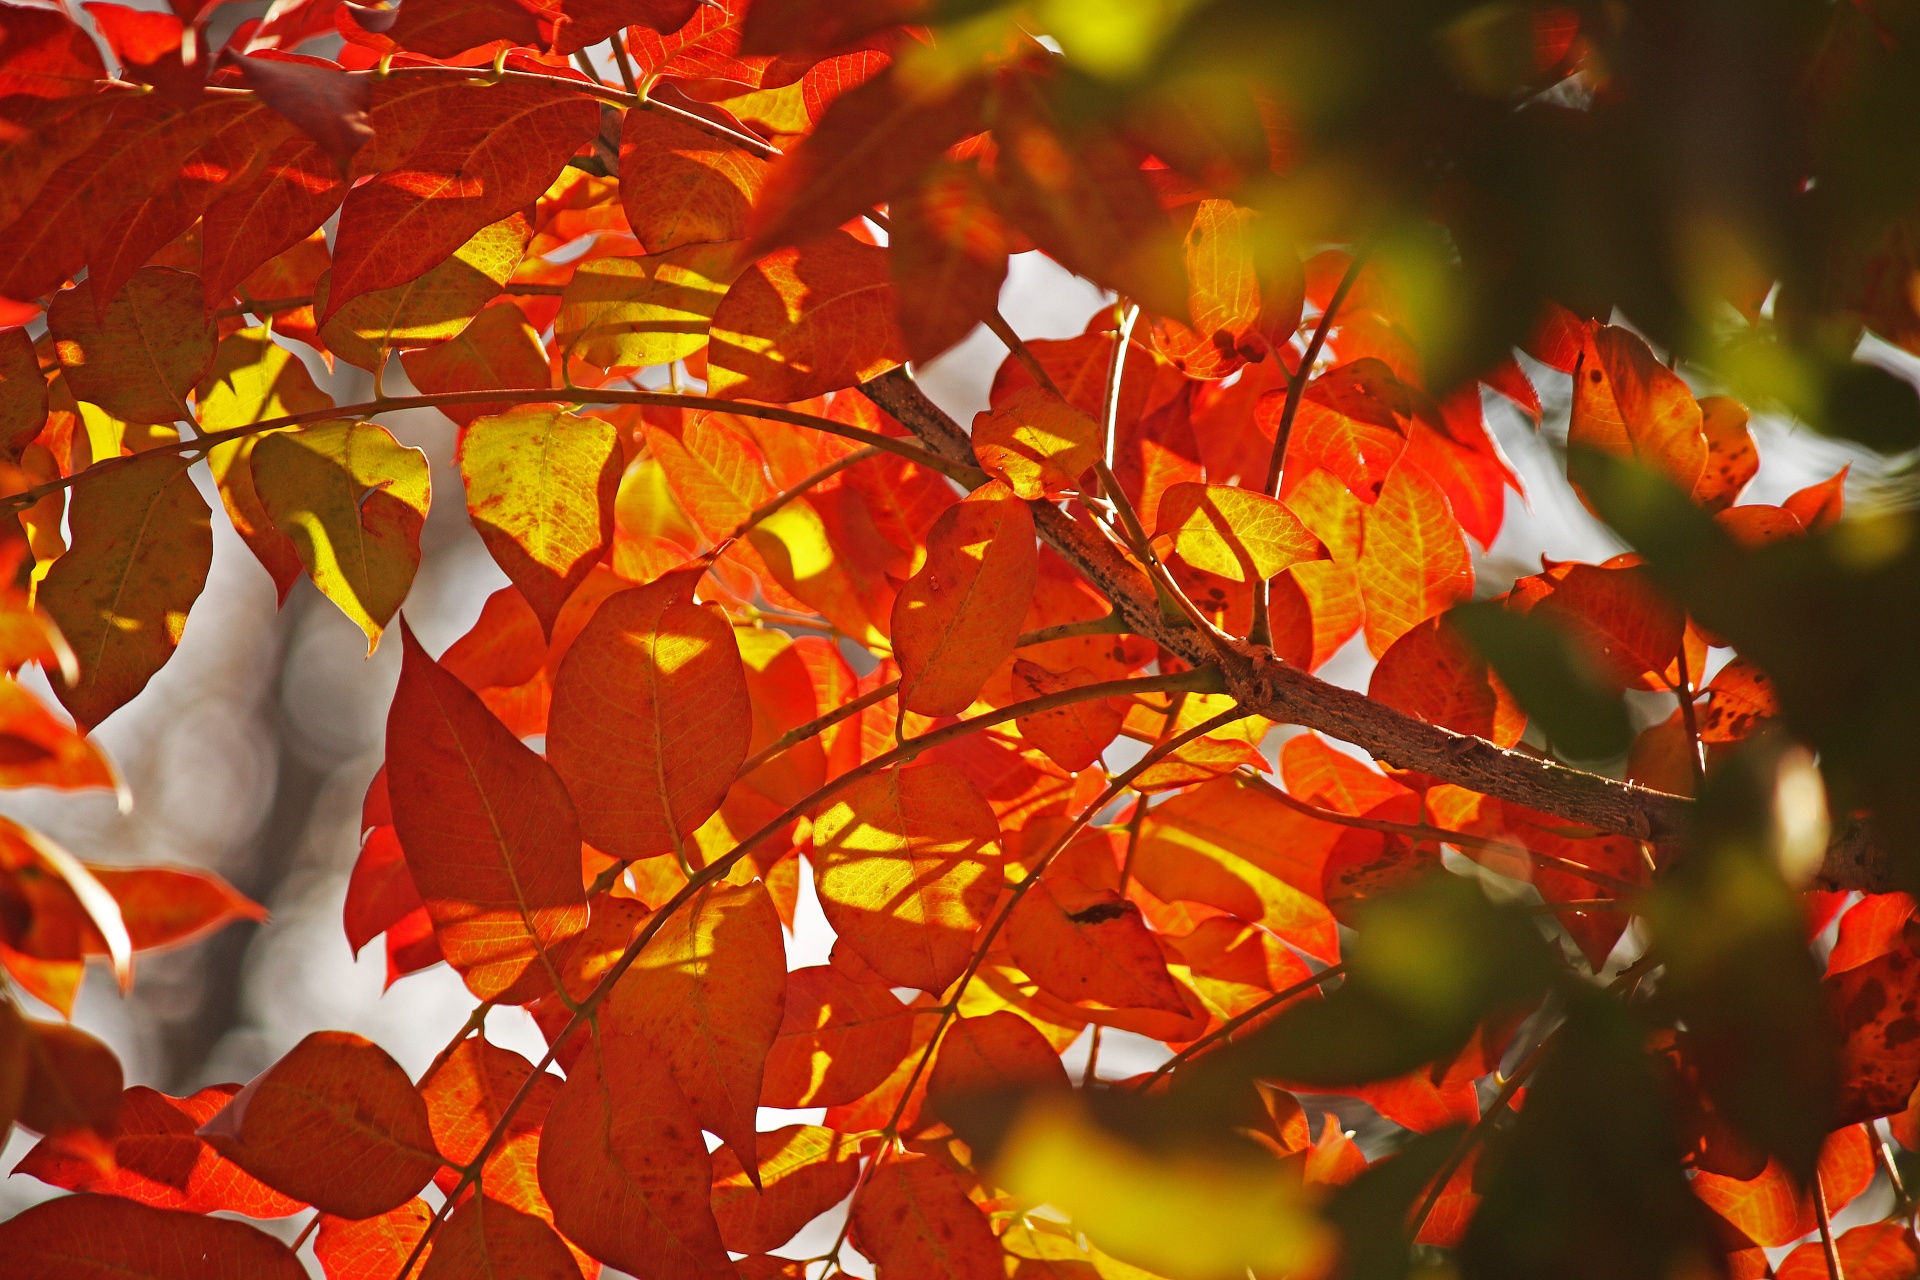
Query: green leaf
x,y
352,499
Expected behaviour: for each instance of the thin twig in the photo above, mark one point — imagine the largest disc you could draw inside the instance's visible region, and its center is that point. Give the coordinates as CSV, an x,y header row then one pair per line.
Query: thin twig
x,y
1696,761
1827,1243
1472,1137
1226,1029
513,395
1261,631
1110,410
305,1231
908,750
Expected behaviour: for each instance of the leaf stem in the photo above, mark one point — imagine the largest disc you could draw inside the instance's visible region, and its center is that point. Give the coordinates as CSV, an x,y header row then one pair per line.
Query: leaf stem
x,y
959,472
1827,1243
1262,630
1127,316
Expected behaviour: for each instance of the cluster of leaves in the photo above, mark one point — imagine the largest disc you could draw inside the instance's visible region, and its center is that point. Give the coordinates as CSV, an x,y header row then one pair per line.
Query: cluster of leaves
x,y
1006,691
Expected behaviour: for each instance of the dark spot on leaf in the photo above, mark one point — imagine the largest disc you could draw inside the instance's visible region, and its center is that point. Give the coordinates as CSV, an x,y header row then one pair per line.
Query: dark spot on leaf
x,y
1100,912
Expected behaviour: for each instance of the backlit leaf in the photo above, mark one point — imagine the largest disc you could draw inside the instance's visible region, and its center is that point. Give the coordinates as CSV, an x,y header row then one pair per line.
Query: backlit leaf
x,y
908,867
948,245
1235,533
540,487
498,349
805,320
633,312
1414,562
428,307
140,357
1090,945
998,1054
89,1235
680,185
371,1248
467,1096
142,544
160,1160
485,1237
23,392
622,1163
958,617
913,1218
804,1170
1036,442
838,1039
487,152
335,1123
352,499
1433,673
650,718
706,993
1626,403
488,830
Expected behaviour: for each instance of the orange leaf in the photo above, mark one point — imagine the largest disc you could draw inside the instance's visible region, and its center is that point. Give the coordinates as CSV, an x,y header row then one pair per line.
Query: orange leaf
x,y
957,618
488,831
622,1163
909,865
1087,945
160,1160
679,185
1235,533
371,1248
485,152
948,247
89,1235
1873,1007
1230,847
486,1238
71,911
1073,736
838,1040
1430,672
1001,1053
1224,297
167,905
1771,1209
913,1218
1871,1251
804,321
1334,1159
497,349
1818,506
1414,562
1036,442
71,1084
1626,403
804,1170
1732,459
335,1123
1632,630
540,487
1234,965
467,1096
706,993
1870,929
872,143
651,718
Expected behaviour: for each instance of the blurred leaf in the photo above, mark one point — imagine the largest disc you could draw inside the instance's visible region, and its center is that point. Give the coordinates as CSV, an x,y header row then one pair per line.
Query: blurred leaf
x,y
1589,1186
1544,667
1371,1212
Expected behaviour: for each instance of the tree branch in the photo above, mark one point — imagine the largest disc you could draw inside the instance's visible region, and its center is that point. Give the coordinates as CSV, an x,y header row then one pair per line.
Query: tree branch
x,y
1279,691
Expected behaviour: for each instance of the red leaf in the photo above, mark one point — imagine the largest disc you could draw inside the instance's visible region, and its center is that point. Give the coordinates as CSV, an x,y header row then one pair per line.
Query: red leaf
x,y
488,831
1000,1053
804,1170
1089,946
1818,506
948,248
680,185
1874,1008
1871,1251
706,993
957,618
908,867
335,1123
622,1163
89,1235
1430,672
487,152
913,1218
160,1160
1771,1209
873,143
1870,929
371,1248
148,47
486,1238
838,1039
45,54
1732,459
1625,402
327,104
71,1085
650,719
467,1096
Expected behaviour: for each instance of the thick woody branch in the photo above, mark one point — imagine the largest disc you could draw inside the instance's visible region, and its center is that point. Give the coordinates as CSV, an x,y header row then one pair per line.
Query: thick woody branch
x,y
1279,691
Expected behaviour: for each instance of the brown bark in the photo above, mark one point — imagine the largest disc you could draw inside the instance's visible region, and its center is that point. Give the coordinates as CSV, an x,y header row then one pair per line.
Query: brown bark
x,y
1285,693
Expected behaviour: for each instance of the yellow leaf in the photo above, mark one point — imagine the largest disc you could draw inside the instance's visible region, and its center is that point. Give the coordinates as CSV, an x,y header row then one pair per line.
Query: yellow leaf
x,y
631,312
1037,442
540,489
352,499
430,309
1235,533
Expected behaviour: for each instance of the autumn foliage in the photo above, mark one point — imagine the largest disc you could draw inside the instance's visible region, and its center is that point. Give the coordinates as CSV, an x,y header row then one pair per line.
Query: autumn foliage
x,y
1593,979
